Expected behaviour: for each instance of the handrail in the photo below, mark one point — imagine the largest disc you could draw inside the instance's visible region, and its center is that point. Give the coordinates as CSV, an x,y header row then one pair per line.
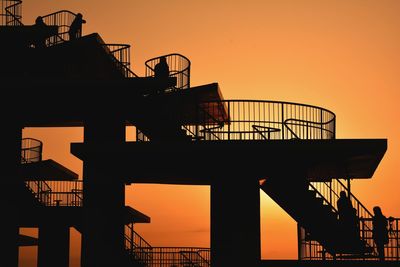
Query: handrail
x,y
269,130
196,261
12,13
58,193
179,67
244,119
120,54
308,124
331,193
137,246
41,190
62,19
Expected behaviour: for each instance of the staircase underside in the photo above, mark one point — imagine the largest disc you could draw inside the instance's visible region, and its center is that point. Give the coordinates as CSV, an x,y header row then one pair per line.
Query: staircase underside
x,y
200,162
72,101
24,240
47,170
72,216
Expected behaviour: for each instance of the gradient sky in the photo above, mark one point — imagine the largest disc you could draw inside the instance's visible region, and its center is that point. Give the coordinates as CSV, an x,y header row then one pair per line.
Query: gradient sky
x,y
338,54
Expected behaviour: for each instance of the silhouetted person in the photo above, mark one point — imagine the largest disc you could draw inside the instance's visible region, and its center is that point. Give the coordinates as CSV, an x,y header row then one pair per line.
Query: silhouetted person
x,y
75,30
161,71
348,219
40,37
380,231
345,208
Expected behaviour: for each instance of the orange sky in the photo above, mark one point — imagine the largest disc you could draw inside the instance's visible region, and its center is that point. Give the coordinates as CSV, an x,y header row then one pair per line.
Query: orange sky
x,y
341,55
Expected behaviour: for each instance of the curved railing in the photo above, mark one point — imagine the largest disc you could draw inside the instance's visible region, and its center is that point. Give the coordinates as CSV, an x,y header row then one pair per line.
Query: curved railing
x,y
259,120
120,54
11,12
31,150
179,67
62,19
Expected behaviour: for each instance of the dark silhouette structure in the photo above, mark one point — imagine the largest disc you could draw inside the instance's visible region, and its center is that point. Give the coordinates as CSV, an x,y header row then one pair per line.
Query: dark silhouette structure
x,y
184,129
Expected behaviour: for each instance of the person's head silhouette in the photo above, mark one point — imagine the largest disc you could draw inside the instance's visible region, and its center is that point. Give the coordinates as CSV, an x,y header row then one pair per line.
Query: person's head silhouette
x,y
377,210
39,20
342,194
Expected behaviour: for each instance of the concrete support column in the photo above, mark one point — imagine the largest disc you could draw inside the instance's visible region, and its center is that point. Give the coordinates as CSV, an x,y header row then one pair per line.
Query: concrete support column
x,y
53,247
11,135
104,193
235,222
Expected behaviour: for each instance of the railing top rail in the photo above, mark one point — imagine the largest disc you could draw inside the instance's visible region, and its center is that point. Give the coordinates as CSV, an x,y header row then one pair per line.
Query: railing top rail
x,y
10,7
356,199
59,12
32,139
270,102
166,55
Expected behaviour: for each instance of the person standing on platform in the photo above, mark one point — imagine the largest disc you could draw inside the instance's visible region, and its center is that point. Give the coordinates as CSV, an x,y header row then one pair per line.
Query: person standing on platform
x,y
380,232
75,30
161,72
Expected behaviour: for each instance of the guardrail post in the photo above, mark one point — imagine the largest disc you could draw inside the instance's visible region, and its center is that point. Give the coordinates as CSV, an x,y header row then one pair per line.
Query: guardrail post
x,y
283,121
229,123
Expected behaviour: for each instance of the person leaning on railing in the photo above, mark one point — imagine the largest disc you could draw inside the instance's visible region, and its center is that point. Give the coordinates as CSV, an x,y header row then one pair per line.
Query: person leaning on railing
x,y
75,30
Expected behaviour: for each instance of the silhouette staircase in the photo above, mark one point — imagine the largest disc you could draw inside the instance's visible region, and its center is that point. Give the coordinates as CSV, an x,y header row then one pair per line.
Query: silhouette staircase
x,y
43,198
178,114
318,217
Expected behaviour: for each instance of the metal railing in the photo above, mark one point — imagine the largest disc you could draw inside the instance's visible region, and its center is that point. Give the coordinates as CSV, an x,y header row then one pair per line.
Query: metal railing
x,y
261,120
312,250
137,246
180,256
179,67
62,19
120,55
41,190
392,249
57,193
150,256
11,13
255,120
31,150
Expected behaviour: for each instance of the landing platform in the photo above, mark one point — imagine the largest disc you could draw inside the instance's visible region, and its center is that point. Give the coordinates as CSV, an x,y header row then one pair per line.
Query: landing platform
x,y
199,163
71,101
295,263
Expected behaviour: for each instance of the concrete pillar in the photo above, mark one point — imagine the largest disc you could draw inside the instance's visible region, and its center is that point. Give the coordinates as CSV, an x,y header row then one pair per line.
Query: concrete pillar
x,y
104,193
10,135
53,247
235,221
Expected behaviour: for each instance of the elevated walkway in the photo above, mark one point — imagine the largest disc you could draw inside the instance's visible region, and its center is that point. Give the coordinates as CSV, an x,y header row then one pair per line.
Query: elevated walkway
x,y
71,101
183,163
350,263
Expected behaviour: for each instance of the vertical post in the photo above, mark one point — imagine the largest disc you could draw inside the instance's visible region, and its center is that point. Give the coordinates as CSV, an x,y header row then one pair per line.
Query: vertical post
x,y
12,185
283,121
322,128
53,247
235,221
104,191
348,188
299,243
229,118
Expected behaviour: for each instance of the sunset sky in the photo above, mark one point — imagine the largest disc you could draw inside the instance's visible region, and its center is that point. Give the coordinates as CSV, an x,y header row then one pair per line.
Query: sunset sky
x,y
342,55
